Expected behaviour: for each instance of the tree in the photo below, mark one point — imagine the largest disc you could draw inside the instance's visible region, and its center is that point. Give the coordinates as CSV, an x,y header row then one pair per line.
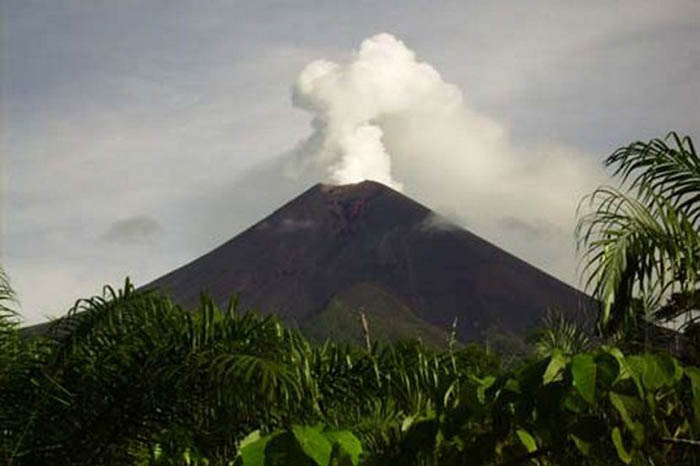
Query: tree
x,y
640,242
131,378
7,295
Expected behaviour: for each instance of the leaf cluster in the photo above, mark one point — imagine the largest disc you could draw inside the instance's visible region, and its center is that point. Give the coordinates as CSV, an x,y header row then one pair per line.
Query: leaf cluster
x,y
641,240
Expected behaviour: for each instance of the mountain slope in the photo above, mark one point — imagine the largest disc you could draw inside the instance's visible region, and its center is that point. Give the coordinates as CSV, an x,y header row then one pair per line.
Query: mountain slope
x,y
388,319
333,238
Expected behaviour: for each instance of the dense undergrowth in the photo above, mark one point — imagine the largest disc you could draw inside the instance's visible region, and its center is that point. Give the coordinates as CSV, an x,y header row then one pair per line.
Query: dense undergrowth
x,y
133,379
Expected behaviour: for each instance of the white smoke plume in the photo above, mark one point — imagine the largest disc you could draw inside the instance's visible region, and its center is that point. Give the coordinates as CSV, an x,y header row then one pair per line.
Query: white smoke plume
x,y
386,116
435,223
348,101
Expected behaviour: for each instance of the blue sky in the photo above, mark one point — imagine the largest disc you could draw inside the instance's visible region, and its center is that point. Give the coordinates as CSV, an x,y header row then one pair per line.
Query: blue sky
x,y
139,135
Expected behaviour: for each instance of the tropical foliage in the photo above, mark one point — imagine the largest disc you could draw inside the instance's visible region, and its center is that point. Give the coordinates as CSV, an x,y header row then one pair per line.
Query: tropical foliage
x,y
561,333
302,445
131,378
131,371
641,242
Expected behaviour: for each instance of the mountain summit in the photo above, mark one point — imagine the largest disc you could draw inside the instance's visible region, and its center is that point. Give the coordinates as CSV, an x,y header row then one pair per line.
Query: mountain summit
x,y
336,250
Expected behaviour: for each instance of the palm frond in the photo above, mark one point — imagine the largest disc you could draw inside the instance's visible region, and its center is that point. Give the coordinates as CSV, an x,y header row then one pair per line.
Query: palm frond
x,y
7,297
629,244
657,168
560,333
644,236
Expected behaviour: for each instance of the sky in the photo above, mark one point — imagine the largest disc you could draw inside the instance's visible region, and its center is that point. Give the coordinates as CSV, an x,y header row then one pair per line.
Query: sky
x,y
136,136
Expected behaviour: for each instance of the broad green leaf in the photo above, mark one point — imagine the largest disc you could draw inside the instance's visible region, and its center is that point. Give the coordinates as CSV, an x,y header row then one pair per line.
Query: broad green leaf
x,y
527,440
627,407
583,372
693,374
556,363
614,352
406,424
314,443
285,448
512,385
484,384
250,438
624,456
421,434
339,457
677,367
156,452
586,432
574,403
487,381
654,371
583,446
660,371
634,366
607,370
347,442
252,448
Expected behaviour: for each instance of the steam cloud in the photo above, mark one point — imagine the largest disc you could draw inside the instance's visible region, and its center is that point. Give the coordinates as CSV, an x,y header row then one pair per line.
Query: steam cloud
x,y
386,116
137,229
349,102
436,223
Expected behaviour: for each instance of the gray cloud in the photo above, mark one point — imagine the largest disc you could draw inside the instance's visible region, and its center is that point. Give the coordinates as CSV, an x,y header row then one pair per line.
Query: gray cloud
x,y
530,228
137,229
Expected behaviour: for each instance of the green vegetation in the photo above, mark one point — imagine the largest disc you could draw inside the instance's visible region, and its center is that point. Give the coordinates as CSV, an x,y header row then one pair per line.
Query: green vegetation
x,y
641,244
313,446
134,379
388,318
131,378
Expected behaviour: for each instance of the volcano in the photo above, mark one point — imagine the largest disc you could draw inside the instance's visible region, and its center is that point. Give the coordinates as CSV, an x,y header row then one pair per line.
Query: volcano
x,y
334,252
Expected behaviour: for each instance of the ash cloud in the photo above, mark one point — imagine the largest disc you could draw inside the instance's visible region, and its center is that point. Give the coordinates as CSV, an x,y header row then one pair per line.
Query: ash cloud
x,y
133,230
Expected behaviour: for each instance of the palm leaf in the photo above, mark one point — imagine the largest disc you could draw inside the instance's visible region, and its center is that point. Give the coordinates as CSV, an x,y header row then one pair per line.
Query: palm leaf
x,y
644,239
656,168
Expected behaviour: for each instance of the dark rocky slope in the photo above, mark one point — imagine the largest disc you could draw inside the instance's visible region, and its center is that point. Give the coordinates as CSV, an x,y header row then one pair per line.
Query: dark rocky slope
x,y
307,261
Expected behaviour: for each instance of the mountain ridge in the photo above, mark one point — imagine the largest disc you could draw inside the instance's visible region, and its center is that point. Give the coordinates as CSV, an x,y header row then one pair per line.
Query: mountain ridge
x,y
330,238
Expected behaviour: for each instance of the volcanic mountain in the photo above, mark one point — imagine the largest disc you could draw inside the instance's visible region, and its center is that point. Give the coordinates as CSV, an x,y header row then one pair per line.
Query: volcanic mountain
x,y
336,251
